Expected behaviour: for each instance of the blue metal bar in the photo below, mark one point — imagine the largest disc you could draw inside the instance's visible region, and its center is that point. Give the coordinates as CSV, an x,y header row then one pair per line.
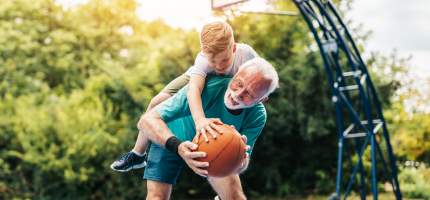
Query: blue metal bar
x,y
381,155
351,180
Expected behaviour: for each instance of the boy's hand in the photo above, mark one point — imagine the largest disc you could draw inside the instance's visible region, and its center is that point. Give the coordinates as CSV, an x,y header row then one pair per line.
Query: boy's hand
x,y
208,125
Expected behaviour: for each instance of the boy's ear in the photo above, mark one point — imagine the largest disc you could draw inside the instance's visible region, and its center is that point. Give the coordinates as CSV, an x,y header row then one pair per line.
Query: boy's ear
x,y
234,47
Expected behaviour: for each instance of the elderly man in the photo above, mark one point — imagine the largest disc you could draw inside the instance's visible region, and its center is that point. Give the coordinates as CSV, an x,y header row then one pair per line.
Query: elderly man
x,y
170,127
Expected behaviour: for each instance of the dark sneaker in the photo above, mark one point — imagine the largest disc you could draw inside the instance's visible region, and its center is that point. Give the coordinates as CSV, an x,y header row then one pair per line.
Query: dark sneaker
x,y
128,162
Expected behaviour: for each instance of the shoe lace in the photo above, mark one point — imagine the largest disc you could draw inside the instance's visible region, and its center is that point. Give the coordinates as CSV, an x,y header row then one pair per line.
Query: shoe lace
x,y
127,156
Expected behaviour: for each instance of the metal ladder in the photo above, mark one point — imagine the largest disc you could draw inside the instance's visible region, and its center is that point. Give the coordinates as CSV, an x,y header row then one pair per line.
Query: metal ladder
x,y
359,116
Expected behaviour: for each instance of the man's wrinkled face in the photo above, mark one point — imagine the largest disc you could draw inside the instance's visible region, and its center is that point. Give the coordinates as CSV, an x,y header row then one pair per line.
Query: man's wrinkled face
x,y
247,88
223,60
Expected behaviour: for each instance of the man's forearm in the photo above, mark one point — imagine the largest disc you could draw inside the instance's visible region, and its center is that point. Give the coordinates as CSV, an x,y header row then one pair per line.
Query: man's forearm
x,y
154,127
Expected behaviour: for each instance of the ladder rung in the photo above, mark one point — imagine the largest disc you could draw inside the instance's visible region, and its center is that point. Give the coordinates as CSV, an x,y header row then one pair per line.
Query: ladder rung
x,y
330,45
352,73
378,123
363,78
353,87
375,121
355,135
347,130
377,127
349,87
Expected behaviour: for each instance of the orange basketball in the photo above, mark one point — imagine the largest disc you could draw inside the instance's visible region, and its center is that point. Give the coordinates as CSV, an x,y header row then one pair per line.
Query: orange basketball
x,y
224,154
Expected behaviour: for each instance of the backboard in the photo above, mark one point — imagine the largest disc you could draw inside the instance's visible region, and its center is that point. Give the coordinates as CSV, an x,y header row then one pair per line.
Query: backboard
x,y
220,4
249,7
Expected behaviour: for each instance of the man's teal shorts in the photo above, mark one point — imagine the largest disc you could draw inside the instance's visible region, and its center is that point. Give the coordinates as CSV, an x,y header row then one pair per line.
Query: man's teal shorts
x,y
163,165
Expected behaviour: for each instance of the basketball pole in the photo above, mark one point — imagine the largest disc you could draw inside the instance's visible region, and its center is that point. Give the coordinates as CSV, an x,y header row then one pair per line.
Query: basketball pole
x,y
359,120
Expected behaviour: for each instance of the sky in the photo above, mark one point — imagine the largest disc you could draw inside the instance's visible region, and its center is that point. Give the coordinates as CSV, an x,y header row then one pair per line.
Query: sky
x,y
400,25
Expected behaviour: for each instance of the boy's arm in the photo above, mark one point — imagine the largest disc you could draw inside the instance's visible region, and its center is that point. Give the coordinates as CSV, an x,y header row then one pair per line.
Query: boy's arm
x,y
195,89
202,124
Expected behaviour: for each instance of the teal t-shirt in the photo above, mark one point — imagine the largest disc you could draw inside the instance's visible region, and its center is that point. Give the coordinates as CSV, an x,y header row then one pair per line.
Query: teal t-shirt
x,y
176,113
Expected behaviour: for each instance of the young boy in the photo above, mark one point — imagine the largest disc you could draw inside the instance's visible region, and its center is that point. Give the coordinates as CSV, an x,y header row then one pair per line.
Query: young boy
x,y
219,55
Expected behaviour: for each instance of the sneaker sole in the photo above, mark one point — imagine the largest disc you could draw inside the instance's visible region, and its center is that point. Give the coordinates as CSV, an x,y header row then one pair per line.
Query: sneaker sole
x,y
142,165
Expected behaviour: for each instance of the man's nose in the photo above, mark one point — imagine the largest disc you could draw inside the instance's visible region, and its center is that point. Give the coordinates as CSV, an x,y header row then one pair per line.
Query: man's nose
x,y
240,93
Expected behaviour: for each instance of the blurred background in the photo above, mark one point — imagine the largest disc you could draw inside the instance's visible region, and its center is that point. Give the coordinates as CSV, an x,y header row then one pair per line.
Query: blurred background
x,y
75,76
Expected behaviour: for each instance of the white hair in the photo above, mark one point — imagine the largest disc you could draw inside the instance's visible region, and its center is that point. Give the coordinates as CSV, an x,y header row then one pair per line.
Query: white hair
x,y
267,70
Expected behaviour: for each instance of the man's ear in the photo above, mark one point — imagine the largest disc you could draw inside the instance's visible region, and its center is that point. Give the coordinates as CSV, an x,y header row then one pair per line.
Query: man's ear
x,y
234,47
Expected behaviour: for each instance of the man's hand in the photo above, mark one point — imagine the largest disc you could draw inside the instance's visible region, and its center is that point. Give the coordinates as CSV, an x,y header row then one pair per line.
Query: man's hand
x,y
185,150
208,125
245,161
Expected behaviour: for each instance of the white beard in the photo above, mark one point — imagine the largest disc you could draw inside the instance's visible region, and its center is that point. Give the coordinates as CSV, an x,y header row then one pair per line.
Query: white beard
x,y
231,105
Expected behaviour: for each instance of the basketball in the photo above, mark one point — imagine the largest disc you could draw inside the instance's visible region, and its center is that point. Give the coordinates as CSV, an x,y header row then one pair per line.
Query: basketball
x,y
224,154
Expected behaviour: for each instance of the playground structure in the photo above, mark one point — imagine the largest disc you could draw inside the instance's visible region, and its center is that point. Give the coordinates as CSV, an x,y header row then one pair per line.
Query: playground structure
x,y
359,117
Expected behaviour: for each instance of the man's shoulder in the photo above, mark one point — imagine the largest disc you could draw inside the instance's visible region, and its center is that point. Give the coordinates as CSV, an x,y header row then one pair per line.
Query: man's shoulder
x,y
258,109
214,81
256,114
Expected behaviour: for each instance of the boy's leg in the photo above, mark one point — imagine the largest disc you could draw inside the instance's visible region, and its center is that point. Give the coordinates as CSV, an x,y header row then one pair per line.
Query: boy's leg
x,y
228,187
141,143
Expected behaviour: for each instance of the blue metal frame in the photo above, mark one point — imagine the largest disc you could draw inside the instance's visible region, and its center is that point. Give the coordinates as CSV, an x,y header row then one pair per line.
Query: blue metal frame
x,y
365,113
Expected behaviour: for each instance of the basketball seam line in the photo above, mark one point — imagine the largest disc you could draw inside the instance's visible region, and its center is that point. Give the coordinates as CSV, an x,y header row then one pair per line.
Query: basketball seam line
x,y
222,150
